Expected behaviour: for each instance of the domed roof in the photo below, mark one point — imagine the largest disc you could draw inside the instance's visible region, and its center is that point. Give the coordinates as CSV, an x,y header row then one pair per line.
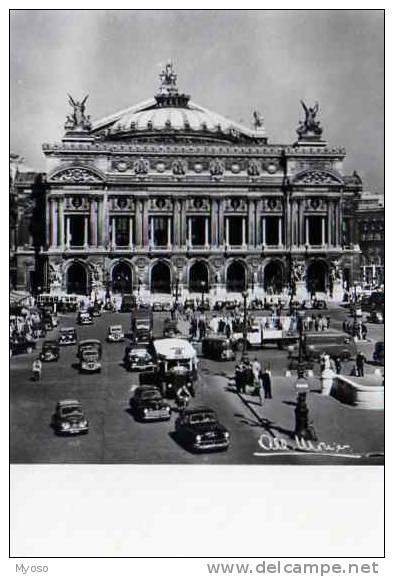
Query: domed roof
x,y
171,112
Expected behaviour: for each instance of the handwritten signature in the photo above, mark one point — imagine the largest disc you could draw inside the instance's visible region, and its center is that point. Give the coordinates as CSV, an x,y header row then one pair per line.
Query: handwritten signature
x,y
279,446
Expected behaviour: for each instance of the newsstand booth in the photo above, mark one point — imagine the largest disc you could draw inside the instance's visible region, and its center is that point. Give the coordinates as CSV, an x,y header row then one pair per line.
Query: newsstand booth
x,y
176,363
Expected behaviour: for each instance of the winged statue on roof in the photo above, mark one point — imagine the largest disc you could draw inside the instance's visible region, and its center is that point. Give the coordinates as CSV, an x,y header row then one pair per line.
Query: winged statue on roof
x,y
78,119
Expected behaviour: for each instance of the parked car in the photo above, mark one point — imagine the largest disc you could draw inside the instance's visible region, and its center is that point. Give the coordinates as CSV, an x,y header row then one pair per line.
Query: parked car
x,y
167,306
378,354
319,304
67,336
138,359
21,345
69,418
50,351
218,305
147,404
84,318
157,306
375,317
189,304
128,303
115,334
199,430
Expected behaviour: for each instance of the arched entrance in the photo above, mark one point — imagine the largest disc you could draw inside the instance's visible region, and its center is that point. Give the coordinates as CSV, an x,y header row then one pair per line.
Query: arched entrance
x,y
273,277
160,279
317,277
236,277
198,277
77,280
122,278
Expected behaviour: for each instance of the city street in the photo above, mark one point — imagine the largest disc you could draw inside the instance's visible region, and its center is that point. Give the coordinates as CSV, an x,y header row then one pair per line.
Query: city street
x,y
115,437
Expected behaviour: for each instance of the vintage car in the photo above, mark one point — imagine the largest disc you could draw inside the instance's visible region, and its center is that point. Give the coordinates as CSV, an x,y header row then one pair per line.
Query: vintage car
x,y
95,310
69,418
230,305
376,317
147,404
307,305
115,334
128,303
141,326
157,306
67,336
336,345
50,351
218,348
89,355
198,429
176,361
218,305
138,359
255,305
170,328
189,304
319,304
204,305
68,304
21,345
84,318
378,354
166,306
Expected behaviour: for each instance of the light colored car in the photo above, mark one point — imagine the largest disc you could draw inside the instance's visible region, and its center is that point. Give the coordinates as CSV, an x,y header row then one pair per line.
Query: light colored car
x,y
138,359
115,334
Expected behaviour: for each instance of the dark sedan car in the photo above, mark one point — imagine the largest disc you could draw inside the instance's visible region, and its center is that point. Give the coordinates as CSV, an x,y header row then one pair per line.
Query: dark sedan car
x,y
147,404
50,351
69,418
67,336
198,429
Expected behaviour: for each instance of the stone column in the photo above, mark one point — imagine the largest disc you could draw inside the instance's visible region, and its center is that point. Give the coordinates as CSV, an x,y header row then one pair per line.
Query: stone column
x,y
86,232
227,241
113,232
307,230
264,237
93,222
323,231
243,231
221,239
206,244
258,240
169,239
183,231
214,221
189,231
145,222
301,222
47,225
54,223
131,239
176,239
251,221
68,232
280,243
61,222
329,222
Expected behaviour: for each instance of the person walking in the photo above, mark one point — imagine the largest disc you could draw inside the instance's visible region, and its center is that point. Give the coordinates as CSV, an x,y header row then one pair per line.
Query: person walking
x,y
267,383
360,361
338,365
364,331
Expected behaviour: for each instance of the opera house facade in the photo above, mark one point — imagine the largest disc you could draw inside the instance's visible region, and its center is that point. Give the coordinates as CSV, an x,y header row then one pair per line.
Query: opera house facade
x,y
167,195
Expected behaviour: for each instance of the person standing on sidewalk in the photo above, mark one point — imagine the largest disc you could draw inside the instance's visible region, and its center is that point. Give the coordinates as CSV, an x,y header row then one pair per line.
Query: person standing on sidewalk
x,y
360,361
267,383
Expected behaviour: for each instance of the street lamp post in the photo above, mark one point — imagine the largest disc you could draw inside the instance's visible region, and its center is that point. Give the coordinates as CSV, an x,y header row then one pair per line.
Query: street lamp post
x,y
245,330
202,293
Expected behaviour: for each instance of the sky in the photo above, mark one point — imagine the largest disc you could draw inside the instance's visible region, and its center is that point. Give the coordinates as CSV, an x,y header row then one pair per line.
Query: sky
x,y
231,62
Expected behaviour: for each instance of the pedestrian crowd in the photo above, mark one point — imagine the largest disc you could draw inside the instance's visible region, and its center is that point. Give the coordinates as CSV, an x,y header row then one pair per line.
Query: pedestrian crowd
x,y
358,330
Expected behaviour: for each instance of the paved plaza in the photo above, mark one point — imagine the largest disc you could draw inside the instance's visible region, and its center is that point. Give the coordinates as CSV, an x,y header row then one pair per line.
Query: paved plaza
x,y
115,436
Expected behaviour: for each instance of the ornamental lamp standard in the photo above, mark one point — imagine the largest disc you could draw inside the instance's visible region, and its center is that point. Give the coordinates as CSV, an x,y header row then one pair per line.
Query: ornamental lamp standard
x,y
245,330
303,428
203,284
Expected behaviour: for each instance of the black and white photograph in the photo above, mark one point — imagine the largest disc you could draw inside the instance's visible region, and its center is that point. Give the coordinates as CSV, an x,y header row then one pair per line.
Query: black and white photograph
x,y
197,238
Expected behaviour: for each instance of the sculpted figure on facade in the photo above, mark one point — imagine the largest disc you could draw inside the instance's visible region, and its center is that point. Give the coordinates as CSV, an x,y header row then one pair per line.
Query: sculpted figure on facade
x,y
216,167
78,120
97,273
179,167
298,271
258,121
254,167
309,126
55,276
141,166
